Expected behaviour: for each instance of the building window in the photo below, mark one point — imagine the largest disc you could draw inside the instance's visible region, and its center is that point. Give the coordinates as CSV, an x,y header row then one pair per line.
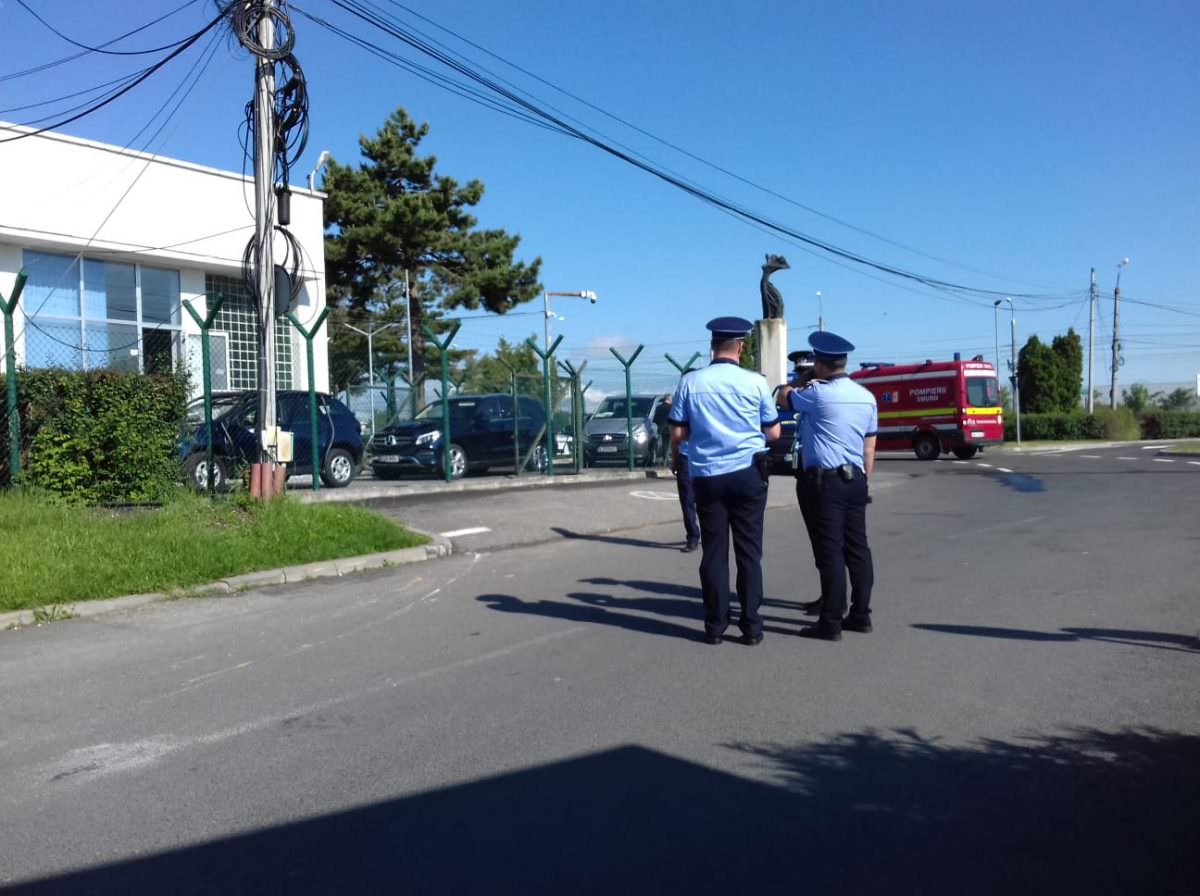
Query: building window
x,y
238,319
87,314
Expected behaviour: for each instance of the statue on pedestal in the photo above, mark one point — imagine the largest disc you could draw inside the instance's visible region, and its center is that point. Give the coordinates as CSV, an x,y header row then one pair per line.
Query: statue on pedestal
x,y
772,298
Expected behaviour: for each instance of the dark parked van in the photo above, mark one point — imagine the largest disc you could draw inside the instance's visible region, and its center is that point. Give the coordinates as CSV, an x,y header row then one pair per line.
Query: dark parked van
x,y
481,436
235,426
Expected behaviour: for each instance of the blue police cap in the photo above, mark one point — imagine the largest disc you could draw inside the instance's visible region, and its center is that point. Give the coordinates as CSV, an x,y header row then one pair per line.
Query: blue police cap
x,y
826,345
729,327
801,357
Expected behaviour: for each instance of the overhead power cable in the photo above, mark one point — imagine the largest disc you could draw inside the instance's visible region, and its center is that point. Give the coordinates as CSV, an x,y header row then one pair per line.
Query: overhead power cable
x,y
146,73
101,47
406,36
680,149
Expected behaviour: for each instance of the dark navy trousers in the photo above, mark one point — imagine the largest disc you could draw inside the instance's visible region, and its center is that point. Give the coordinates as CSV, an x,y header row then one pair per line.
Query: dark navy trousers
x,y
733,502
839,511
687,500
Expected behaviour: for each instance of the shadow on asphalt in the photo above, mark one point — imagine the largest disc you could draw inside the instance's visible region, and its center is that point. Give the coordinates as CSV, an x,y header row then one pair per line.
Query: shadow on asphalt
x,y
617,539
1157,640
1090,812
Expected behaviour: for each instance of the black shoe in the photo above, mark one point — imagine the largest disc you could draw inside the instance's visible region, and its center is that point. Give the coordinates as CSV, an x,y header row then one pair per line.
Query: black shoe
x,y
712,639
752,640
857,625
821,634
689,547
813,607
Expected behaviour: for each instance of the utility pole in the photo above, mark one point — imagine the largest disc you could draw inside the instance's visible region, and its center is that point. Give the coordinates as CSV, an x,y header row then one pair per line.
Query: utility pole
x,y
408,340
1116,342
264,218
1091,399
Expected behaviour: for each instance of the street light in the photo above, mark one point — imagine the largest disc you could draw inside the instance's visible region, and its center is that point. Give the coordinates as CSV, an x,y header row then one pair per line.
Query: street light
x,y
1016,380
370,334
820,313
584,294
996,332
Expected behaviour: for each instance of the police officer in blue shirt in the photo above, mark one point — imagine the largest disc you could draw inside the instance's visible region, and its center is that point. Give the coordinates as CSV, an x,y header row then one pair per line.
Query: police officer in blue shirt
x,y
838,424
802,374
726,416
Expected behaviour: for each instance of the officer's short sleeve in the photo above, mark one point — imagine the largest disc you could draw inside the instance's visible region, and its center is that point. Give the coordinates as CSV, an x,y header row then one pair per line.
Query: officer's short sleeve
x,y
678,413
768,414
803,400
873,427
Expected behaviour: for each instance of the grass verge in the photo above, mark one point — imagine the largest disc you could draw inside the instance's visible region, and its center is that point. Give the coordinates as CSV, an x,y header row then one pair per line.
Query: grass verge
x,y
1192,447
57,554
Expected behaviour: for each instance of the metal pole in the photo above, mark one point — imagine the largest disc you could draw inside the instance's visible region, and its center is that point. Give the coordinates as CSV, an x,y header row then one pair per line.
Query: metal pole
x,y
628,399
10,380
412,399
205,325
1116,343
264,217
1016,374
546,397
312,391
996,333
1091,397
546,321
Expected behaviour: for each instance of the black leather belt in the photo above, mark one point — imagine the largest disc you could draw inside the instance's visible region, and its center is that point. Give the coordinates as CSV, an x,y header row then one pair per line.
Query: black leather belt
x,y
845,472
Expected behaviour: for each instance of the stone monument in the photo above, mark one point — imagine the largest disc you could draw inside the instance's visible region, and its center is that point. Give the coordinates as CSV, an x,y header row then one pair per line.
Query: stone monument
x,y
771,331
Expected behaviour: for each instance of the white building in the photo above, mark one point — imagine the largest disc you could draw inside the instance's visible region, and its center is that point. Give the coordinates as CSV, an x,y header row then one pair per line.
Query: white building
x,y
114,241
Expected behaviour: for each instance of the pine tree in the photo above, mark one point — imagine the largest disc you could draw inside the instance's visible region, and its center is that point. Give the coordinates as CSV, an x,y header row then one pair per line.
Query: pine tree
x,y
394,213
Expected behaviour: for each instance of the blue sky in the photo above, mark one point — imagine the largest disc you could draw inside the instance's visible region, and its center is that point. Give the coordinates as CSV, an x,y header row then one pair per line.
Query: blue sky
x,y
1013,146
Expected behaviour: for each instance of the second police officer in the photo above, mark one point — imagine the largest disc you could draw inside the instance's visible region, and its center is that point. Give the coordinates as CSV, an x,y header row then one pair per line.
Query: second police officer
x,y
726,415
837,426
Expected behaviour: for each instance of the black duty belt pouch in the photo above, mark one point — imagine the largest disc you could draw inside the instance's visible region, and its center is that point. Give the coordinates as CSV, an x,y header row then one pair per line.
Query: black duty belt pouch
x,y
846,472
762,462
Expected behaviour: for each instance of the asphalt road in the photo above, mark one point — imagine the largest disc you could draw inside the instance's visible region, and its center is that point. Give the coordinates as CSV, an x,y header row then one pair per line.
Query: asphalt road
x,y
545,718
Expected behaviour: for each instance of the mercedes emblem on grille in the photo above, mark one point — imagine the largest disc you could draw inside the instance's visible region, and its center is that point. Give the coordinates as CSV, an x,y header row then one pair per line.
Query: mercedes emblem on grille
x,y
391,440
607,437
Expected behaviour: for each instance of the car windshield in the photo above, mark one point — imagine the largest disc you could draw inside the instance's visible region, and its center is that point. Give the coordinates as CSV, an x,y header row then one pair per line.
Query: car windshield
x,y
461,410
615,407
982,392
220,404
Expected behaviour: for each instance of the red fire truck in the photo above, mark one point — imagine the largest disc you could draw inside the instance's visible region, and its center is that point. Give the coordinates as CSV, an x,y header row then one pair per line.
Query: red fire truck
x,y
935,406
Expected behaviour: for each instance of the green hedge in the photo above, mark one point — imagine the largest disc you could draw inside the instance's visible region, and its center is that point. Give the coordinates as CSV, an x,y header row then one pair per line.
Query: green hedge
x,y
1119,425
101,436
1169,424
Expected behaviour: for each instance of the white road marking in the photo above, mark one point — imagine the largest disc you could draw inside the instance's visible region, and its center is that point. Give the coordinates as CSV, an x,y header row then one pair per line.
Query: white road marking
x,y
475,530
1091,456
1194,463
1153,447
655,496
1003,470
1126,458
986,466
962,462
1164,460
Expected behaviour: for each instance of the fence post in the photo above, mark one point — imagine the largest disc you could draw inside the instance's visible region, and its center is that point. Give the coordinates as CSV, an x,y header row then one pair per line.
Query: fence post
x,y
9,307
312,391
628,399
684,368
545,356
205,324
443,349
576,411
512,390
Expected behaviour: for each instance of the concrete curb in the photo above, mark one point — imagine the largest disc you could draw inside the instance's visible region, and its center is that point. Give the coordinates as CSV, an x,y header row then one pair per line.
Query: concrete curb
x,y
366,493
437,547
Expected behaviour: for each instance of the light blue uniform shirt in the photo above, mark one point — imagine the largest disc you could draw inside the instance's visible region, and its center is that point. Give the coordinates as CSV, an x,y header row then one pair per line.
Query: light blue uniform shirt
x,y
835,417
725,408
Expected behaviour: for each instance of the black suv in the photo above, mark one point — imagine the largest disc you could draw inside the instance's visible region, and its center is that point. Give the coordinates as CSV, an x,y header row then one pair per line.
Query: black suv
x,y
481,436
235,421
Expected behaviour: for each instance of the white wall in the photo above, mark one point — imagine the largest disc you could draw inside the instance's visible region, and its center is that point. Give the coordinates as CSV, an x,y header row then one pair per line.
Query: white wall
x,y
78,196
